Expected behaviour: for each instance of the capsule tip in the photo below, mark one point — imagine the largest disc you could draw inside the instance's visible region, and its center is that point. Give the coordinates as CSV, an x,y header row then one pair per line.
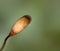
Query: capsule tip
x,y
28,17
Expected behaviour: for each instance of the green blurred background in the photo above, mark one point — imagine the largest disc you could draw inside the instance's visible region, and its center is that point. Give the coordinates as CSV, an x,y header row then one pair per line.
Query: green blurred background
x,y
43,33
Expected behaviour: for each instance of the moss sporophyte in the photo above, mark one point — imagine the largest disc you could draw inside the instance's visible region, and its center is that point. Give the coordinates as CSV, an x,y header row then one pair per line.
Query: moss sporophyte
x,y
18,27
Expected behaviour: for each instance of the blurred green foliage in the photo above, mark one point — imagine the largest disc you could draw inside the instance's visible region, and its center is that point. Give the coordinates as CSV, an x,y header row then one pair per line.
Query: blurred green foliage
x,y
43,34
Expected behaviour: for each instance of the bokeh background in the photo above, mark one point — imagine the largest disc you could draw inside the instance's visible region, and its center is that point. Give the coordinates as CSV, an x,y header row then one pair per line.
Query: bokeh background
x,y
43,33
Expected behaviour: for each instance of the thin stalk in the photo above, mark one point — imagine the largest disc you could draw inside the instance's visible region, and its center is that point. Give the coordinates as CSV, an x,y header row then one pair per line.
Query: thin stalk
x,y
4,43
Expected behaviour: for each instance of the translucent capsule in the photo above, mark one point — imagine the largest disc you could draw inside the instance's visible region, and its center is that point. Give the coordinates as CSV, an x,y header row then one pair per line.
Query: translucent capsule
x,y
20,24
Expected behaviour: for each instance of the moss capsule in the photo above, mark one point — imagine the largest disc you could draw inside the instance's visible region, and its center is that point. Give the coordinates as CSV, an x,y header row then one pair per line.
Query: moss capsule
x,y
20,24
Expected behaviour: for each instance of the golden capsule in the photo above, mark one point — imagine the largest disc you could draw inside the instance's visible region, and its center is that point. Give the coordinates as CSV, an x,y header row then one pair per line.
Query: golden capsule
x,y
20,24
